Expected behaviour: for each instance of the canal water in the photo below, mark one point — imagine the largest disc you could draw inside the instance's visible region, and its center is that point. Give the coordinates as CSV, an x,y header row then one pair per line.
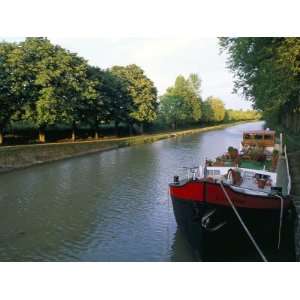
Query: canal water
x,y
111,206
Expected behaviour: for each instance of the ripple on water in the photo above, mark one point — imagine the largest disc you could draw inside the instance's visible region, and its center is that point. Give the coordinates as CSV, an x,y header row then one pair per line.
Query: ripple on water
x,y
112,206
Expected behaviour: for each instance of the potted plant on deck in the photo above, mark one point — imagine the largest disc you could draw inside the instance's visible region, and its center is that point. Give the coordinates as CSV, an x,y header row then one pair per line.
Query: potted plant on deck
x,y
233,152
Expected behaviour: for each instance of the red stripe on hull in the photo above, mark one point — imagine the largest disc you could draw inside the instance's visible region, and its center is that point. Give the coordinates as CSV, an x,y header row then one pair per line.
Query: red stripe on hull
x,y
202,191
193,191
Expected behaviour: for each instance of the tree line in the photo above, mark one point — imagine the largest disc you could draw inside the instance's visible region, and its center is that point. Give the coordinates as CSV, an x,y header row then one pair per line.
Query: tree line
x,y
47,85
267,72
182,104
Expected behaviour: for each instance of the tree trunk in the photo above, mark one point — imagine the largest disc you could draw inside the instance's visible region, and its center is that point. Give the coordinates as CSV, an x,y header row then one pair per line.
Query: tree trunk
x,y
130,129
42,136
1,136
174,125
73,135
96,135
73,132
117,128
142,128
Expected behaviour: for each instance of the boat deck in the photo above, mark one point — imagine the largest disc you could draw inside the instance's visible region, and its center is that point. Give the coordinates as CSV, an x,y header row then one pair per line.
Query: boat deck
x,y
250,183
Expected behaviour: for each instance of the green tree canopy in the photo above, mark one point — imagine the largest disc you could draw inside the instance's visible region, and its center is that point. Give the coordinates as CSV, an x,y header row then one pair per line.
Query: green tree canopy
x,y
142,92
172,110
10,103
51,80
213,110
232,115
267,72
189,92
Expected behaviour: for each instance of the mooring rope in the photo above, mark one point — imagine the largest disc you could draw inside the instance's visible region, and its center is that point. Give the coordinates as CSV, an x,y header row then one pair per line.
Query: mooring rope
x,y
243,224
280,221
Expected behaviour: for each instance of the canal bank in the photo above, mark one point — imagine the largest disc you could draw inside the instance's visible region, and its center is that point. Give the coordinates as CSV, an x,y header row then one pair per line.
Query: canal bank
x,y
23,156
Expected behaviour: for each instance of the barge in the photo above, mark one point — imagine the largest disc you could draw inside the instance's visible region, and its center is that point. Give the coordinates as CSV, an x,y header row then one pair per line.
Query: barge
x,y
239,203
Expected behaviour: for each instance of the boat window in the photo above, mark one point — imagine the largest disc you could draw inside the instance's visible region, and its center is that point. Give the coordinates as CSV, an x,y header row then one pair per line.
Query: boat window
x,y
268,137
258,137
214,172
247,136
248,174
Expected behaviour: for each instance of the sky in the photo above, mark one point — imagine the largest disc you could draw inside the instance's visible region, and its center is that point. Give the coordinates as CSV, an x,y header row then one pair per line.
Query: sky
x,y
162,59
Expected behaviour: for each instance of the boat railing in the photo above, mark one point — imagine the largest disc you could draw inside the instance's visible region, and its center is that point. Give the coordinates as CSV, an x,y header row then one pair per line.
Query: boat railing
x,y
288,171
194,172
243,188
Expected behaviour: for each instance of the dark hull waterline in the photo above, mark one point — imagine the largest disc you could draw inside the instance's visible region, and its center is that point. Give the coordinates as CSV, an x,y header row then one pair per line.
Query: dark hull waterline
x,y
230,242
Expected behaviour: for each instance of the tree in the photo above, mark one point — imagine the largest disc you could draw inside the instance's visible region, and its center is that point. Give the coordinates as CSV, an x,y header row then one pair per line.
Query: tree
x,y
10,103
189,91
232,115
142,92
195,84
213,110
172,110
267,72
121,102
52,82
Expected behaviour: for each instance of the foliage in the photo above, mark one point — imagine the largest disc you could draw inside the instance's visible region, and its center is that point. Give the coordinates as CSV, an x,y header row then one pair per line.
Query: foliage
x,y
10,103
44,85
142,92
49,79
213,110
232,115
267,72
233,152
172,109
182,102
47,85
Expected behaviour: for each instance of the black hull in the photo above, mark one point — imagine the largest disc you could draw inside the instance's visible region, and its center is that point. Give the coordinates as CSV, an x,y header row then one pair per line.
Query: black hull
x,y
230,242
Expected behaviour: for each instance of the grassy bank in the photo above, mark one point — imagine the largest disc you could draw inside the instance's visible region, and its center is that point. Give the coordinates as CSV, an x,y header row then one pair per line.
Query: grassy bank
x,y
15,157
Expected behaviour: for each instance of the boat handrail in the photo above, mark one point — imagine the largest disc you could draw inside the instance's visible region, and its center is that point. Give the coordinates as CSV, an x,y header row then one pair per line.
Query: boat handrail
x,y
246,188
288,171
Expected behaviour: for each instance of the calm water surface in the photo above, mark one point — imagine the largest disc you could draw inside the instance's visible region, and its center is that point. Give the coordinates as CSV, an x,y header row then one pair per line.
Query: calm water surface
x,y
112,206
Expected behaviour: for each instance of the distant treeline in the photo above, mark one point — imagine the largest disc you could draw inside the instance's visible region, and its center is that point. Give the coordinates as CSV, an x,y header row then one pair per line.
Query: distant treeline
x,y
183,104
267,72
43,86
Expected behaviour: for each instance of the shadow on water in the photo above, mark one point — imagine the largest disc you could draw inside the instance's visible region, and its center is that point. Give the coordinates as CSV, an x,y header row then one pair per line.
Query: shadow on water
x,y
220,247
181,251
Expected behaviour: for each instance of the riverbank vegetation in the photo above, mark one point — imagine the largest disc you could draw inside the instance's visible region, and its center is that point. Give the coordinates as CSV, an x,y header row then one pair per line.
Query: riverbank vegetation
x,y
45,88
267,72
20,156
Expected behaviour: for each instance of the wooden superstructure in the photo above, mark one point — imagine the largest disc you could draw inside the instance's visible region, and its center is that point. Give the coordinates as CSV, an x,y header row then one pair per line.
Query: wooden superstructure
x,y
261,138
